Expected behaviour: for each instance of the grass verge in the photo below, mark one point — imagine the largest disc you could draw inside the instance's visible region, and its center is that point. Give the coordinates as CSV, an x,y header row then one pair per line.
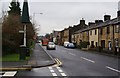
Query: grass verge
x,y
13,57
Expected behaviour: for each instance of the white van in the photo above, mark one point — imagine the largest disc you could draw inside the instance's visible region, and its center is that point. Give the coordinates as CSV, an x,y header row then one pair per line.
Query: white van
x,y
65,44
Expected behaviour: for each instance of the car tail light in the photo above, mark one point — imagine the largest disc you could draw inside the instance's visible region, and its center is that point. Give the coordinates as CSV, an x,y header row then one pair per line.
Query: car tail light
x,y
48,45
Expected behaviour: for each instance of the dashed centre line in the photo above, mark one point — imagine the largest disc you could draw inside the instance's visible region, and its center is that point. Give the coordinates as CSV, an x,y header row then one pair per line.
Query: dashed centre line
x,y
113,69
88,60
72,54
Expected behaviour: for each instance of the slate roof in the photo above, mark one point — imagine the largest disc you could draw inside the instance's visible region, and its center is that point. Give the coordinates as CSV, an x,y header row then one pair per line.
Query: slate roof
x,y
110,22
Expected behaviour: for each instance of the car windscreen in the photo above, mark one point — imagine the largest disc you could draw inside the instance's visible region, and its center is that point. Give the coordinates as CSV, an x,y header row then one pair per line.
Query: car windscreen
x,y
50,43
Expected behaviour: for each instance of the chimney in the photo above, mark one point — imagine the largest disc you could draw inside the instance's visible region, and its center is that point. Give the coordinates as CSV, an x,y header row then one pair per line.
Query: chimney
x,y
82,22
107,17
118,13
91,23
98,21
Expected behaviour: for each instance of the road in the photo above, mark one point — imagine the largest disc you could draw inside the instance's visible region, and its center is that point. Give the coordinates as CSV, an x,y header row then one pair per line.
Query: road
x,y
76,62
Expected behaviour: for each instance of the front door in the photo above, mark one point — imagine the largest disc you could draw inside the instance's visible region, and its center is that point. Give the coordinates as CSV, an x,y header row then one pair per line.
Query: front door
x,y
110,45
103,43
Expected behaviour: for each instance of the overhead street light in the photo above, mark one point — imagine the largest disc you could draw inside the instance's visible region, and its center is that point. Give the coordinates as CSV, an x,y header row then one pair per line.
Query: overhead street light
x,y
34,17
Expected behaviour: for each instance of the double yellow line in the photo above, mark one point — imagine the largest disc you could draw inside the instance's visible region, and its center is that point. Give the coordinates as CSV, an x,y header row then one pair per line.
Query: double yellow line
x,y
13,68
58,61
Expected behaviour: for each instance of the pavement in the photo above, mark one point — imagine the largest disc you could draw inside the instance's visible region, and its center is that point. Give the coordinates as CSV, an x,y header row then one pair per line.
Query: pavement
x,y
39,58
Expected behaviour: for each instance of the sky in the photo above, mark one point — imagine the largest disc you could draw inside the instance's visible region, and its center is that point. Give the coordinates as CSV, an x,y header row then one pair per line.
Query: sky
x,y
59,14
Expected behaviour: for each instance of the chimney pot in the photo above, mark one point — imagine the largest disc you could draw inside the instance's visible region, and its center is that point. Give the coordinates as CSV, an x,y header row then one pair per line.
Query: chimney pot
x,y
91,23
82,22
118,13
107,17
98,21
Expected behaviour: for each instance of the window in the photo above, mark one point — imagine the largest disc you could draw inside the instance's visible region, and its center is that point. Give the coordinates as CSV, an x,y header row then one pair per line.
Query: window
x,y
80,35
101,31
117,28
116,42
72,36
87,34
83,34
108,30
90,32
103,43
95,32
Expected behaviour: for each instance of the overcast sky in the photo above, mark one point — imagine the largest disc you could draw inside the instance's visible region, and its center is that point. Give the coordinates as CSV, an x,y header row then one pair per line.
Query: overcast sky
x,y
59,14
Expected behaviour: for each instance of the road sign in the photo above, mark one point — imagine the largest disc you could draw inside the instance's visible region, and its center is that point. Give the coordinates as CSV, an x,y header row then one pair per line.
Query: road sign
x,y
21,31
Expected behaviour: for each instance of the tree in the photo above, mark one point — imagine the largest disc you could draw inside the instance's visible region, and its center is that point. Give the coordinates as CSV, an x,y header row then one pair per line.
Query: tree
x,y
14,8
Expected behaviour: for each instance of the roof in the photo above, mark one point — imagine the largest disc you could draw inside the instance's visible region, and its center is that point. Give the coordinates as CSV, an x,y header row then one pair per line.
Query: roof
x,y
110,22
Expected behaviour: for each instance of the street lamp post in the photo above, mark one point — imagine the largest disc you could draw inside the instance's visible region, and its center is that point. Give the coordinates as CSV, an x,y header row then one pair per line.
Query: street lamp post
x,y
34,16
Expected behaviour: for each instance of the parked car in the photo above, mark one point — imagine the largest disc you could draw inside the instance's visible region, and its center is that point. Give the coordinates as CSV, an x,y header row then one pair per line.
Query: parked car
x,y
70,45
51,45
65,44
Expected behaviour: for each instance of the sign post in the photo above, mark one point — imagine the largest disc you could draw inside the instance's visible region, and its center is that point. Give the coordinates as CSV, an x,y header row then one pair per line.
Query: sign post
x,y
25,19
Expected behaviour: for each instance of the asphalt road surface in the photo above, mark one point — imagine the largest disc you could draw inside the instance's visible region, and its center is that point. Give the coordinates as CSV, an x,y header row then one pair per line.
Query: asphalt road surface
x,y
76,62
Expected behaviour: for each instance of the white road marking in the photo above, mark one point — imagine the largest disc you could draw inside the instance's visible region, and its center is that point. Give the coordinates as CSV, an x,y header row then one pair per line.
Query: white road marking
x,y
63,74
52,71
54,74
113,69
50,68
72,54
58,68
10,73
88,60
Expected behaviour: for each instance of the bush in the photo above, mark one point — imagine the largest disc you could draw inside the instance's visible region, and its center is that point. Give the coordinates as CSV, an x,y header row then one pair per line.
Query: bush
x,y
84,44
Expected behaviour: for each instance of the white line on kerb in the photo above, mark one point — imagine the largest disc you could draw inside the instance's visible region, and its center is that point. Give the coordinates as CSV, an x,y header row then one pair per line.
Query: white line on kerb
x,y
72,54
88,60
113,69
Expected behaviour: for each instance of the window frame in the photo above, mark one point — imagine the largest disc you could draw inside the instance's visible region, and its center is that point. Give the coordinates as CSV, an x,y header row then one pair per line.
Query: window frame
x,y
101,30
108,30
116,28
95,32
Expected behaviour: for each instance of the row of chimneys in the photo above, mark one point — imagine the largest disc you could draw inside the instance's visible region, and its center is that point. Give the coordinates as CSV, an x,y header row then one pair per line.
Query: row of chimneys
x,y
106,18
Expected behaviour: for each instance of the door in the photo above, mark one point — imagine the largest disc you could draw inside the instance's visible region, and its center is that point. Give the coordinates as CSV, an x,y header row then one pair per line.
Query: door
x,y
103,43
110,46
92,44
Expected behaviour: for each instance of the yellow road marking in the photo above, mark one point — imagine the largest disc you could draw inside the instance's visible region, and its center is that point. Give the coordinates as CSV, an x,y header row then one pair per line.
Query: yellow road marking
x,y
15,68
58,61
